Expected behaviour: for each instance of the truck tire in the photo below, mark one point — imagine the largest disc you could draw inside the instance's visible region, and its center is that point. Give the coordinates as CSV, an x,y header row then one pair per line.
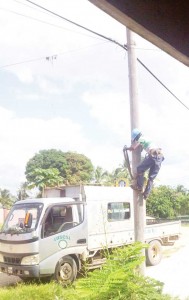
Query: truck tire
x,y
66,270
153,253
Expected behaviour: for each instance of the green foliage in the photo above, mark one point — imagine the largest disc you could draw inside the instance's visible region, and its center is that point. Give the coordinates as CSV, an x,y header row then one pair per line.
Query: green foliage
x,y
22,192
106,178
121,172
45,177
160,202
79,168
73,168
167,202
33,291
46,159
117,280
100,175
6,199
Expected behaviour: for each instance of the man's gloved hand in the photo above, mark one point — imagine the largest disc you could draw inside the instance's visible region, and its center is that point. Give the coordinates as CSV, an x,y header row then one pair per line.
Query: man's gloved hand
x,y
125,148
128,148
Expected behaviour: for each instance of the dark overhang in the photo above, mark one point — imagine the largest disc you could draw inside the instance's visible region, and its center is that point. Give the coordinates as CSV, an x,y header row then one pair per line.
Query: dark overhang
x,y
165,23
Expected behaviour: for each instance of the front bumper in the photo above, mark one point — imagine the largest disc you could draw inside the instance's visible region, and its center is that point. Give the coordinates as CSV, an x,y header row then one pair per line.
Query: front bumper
x,y
22,271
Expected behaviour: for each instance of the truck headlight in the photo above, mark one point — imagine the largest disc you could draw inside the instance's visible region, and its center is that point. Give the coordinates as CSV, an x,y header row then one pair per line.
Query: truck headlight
x,y
30,260
1,258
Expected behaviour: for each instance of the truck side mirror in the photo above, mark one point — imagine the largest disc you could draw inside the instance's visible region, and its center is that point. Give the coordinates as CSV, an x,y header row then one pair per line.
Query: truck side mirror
x,y
28,220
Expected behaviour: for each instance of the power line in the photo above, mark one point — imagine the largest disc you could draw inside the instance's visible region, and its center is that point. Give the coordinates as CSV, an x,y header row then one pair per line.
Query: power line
x,y
41,21
31,7
163,85
78,25
51,24
47,57
113,41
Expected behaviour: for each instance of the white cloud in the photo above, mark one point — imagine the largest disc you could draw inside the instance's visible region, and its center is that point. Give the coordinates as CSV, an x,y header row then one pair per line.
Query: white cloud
x,y
48,86
24,74
110,109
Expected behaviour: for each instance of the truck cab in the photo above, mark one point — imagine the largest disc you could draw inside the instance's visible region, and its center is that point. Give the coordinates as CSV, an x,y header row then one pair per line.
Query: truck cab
x,y
36,232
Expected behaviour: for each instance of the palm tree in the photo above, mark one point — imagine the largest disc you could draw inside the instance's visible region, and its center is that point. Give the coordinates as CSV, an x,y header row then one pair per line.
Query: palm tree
x,y
22,192
119,174
6,199
100,175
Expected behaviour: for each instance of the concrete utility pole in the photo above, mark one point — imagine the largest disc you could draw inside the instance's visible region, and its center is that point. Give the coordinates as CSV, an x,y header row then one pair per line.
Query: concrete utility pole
x,y
139,205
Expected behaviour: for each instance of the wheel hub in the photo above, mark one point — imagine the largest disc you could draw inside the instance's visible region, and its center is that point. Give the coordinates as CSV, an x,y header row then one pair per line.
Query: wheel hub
x,y
65,271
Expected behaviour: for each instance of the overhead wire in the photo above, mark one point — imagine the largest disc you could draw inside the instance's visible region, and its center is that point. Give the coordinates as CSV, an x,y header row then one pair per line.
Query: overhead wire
x,y
44,22
113,41
101,36
47,57
78,25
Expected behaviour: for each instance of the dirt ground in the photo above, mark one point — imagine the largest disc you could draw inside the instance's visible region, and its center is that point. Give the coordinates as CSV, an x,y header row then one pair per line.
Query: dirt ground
x,y
173,270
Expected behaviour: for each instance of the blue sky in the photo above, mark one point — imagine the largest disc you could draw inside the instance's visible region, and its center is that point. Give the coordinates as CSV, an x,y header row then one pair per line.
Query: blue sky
x,y
78,98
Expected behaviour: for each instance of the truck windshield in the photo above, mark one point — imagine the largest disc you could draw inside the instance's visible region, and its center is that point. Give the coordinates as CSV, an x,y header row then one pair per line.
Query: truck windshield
x,y
22,218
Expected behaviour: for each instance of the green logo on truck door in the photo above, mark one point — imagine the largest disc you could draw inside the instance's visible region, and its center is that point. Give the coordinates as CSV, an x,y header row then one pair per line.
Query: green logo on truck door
x,y
62,240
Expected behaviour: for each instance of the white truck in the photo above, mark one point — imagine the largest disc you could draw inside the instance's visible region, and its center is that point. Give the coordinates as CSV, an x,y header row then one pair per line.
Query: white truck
x,y
55,236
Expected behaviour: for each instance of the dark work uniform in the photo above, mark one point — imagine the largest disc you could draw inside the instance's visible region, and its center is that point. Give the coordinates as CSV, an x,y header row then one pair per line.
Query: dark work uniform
x,y
151,162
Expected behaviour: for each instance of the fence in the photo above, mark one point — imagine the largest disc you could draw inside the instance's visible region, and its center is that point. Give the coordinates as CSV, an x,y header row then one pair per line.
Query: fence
x,y
183,219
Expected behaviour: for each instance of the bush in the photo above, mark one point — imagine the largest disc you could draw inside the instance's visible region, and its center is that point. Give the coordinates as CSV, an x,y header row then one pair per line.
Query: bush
x,y
119,279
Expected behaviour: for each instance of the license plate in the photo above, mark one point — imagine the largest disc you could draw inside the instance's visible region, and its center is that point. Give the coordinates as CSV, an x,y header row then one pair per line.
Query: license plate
x,y
9,270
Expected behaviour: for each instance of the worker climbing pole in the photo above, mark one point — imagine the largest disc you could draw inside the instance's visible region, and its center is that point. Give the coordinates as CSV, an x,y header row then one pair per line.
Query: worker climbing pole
x,y
151,162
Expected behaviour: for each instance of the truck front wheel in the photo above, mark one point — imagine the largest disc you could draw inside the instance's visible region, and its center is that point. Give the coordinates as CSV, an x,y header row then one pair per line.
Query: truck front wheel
x,y
153,253
66,270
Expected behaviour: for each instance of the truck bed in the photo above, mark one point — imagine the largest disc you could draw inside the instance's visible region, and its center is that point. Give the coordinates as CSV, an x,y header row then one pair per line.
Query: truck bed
x,y
167,232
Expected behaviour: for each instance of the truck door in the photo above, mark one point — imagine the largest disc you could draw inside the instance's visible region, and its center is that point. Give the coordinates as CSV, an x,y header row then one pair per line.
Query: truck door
x,y
62,227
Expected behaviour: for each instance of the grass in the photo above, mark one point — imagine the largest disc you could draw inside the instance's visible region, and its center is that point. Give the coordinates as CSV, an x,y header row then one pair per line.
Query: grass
x,y
32,291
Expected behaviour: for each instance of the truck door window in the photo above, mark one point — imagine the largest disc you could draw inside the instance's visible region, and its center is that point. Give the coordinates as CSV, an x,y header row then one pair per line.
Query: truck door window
x,y
118,211
61,218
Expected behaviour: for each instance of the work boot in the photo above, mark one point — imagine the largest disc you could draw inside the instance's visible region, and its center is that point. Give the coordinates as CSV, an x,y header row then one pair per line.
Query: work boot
x,y
145,196
136,188
148,188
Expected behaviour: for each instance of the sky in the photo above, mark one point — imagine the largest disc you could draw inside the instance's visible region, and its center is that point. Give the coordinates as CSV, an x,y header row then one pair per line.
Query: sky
x,y
65,88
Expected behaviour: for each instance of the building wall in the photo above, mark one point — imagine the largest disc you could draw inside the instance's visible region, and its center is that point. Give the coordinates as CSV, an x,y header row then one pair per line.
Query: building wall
x,y
3,213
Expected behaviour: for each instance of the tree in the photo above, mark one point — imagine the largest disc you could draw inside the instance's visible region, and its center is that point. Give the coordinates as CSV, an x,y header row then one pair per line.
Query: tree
x,y
119,173
6,199
46,159
123,173
22,192
74,168
162,202
181,189
79,168
100,175
182,200
111,177
45,178
167,202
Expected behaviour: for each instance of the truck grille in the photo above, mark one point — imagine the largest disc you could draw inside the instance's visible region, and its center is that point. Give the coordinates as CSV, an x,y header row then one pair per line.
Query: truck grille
x,y
12,260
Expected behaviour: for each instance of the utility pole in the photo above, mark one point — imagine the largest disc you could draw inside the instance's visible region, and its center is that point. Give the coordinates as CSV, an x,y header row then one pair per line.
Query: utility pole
x,y
139,205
